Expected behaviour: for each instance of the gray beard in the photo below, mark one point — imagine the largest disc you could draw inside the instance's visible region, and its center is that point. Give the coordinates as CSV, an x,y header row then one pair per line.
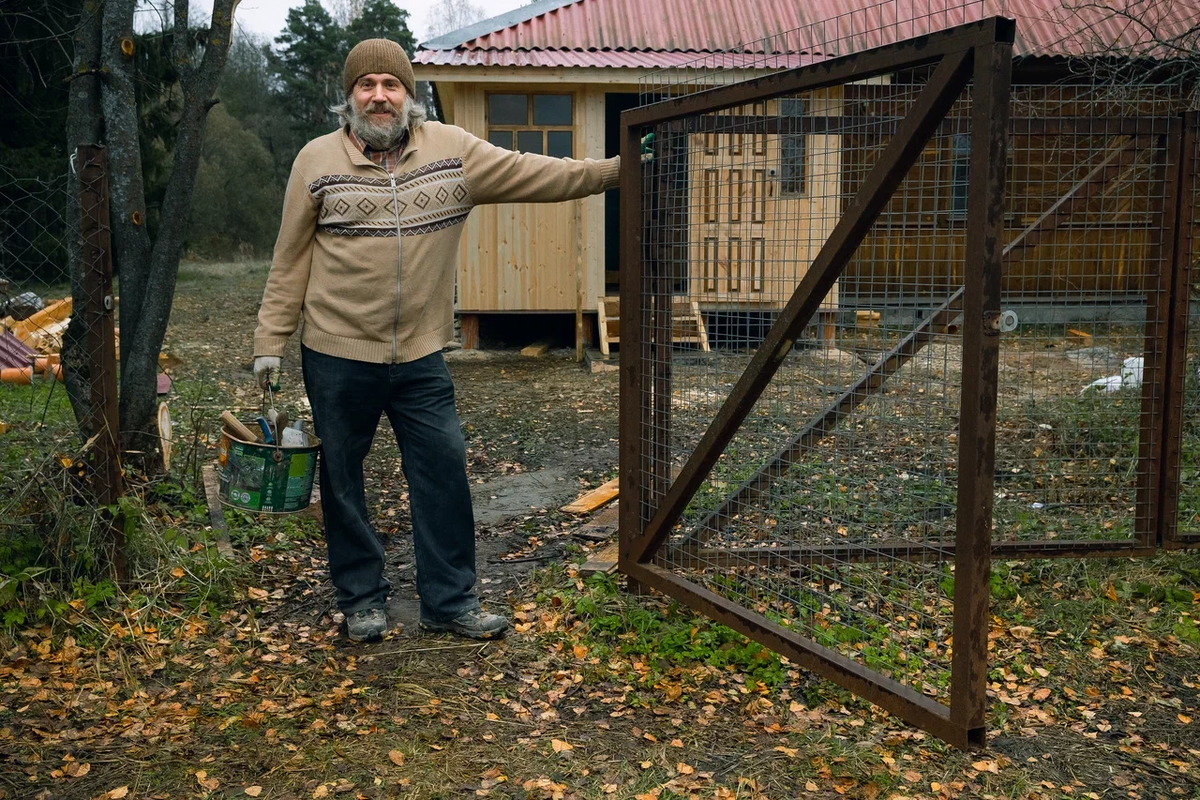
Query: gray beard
x,y
379,137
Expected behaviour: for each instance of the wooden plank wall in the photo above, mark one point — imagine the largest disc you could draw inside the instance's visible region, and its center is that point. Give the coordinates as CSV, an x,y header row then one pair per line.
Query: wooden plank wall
x,y
522,256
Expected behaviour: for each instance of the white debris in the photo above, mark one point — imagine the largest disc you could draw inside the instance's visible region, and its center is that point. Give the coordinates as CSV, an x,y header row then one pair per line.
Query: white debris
x,y
1130,377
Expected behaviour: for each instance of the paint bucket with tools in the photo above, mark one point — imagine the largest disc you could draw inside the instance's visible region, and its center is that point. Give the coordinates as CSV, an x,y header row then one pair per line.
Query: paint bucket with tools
x,y
270,472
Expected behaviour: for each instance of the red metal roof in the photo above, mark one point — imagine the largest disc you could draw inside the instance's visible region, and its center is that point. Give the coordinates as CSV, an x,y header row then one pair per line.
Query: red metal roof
x,y
669,33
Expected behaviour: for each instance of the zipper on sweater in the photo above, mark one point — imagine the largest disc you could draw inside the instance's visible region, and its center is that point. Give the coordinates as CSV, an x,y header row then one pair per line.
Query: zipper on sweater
x,y
399,267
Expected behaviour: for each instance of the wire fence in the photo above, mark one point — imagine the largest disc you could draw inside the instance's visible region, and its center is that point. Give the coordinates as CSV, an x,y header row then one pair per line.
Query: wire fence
x,y
892,388
58,360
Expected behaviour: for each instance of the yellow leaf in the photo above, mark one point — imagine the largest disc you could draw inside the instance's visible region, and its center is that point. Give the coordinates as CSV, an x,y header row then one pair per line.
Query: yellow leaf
x,y
1111,593
912,776
320,791
257,594
559,745
178,572
790,752
649,737
77,770
684,769
396,757
935,786
646,764
253,791
810,787
579,650
986,766
1184,719
677,743
118,793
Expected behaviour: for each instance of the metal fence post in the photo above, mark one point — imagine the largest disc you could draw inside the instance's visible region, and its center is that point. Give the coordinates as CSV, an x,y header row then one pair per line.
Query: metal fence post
x,y
100,358
980,372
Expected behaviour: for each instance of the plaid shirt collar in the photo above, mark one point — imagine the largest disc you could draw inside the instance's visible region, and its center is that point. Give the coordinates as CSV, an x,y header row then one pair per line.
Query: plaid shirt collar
x,y
384,158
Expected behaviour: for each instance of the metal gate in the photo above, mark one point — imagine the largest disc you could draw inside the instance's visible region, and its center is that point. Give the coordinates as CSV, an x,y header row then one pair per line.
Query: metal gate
x,y
836,509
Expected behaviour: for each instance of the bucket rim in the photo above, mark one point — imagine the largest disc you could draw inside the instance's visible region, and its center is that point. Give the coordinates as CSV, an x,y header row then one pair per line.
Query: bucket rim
x,y
313,438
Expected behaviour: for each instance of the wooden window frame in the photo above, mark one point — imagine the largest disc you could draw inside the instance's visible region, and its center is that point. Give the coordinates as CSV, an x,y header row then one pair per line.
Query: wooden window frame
x,y
529,126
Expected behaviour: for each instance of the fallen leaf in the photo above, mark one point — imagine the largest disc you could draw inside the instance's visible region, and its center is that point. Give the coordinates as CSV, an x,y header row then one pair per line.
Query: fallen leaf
x,y
1111,593
559,745
684,769
1184,719
320,791
396,757
579,650
178,572
986,766
810,787
677,743
77,770
253,791
257,594
1041,694
118,793
790,752
206,782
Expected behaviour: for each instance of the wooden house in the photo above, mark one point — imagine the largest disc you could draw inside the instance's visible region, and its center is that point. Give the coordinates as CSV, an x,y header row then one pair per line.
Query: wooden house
x,y
553,77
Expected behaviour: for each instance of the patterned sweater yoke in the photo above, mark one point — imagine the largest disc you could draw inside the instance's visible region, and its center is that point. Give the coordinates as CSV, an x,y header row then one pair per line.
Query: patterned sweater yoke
x,y
367,257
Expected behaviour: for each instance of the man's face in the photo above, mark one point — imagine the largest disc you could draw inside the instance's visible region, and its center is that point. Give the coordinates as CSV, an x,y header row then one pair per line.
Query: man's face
x,y
379,98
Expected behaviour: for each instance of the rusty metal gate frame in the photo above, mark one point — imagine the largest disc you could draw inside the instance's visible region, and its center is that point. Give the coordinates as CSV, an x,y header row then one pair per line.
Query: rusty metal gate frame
x,y
978,55
1182,254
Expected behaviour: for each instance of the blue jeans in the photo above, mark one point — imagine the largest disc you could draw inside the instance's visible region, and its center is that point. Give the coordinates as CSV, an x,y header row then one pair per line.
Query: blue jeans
x,y
348,398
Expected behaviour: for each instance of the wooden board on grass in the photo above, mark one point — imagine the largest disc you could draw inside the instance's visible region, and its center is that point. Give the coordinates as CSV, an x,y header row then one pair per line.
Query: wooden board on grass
x,y
601,527
600,496
216,515
605,561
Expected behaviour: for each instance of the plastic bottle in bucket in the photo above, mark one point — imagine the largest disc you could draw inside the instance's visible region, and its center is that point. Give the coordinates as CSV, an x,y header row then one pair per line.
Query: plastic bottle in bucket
x,y
269,479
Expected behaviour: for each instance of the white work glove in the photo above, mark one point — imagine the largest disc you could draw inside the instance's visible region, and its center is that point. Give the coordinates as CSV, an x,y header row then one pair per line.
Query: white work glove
x,y
266,370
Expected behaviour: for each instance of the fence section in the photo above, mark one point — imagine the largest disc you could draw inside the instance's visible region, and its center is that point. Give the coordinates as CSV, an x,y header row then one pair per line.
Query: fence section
x,y
805,495
58,359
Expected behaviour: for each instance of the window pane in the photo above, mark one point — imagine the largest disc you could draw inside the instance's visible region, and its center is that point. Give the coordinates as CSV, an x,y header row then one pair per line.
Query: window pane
x,y
529,141
501,139
559,144
792,149
552,109
791,107
508,109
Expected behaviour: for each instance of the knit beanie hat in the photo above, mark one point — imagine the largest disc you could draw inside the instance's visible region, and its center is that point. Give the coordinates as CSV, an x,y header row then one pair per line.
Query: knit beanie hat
x,y
372,56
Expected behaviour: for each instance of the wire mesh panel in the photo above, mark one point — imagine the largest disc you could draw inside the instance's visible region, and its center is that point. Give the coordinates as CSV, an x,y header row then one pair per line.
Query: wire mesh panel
x,y
58,409
798,478
1086,288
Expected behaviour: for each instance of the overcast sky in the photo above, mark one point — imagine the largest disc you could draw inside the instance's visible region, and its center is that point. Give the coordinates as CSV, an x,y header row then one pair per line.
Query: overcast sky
x,y
266,17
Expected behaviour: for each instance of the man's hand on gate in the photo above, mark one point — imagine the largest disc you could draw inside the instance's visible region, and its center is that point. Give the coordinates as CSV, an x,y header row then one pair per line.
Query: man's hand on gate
x,y
266,371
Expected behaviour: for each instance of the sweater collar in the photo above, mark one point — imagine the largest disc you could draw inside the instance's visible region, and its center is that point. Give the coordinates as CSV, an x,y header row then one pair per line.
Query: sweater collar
x,y
356,155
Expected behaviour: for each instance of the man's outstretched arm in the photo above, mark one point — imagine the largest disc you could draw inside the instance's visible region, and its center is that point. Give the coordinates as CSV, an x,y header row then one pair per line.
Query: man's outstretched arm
x,y
496,175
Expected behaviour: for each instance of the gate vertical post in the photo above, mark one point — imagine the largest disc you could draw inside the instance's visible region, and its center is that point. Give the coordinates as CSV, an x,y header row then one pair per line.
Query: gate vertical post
x,y
977,418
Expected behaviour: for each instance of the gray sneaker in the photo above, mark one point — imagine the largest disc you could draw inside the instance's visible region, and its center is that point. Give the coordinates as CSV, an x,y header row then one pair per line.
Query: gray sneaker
x,y
368,625
474,624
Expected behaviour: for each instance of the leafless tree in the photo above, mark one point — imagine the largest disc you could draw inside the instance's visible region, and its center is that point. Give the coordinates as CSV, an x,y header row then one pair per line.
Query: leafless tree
x,y
102,109
345,11
450,15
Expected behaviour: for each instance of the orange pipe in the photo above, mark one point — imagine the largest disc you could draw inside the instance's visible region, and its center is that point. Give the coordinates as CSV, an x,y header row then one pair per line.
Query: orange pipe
x,y
17,375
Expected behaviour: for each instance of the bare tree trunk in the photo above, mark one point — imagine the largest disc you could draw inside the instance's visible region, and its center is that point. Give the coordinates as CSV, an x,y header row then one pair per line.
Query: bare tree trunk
x,y
84,126
148,270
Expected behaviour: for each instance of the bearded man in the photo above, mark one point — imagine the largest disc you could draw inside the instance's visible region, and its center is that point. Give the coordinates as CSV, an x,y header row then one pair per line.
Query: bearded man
x,y
377,315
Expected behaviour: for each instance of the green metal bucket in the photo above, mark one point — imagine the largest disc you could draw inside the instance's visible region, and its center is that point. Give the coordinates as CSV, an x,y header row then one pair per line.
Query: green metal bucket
x,y
264,478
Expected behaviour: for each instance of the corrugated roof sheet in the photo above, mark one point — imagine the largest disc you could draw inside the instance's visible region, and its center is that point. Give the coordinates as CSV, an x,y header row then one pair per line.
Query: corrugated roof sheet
x,y
13,352
644,59
637,33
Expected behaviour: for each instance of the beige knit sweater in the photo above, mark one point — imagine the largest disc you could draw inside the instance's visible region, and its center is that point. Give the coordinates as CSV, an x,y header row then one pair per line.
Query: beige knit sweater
x,y
365,296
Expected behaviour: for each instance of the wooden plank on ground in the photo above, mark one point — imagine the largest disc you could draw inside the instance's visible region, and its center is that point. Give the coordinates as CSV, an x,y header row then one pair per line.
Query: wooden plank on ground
x,y
605,561
216,515
601,527
600,496
535,350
